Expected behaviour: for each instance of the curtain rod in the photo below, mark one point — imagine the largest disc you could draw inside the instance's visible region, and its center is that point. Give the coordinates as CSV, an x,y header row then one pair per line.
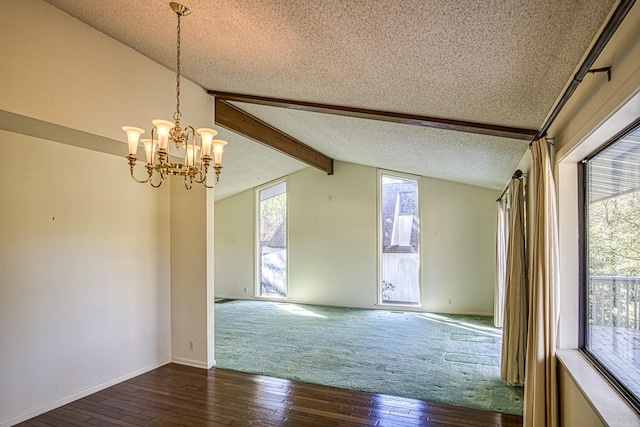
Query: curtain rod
x,y
610,28
516,175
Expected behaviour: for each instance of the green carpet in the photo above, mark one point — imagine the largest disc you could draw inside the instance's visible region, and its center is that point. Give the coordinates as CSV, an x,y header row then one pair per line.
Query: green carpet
x,y
436,358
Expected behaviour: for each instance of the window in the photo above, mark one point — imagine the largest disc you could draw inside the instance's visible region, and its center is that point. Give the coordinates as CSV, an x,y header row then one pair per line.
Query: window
x,y
400,237
272,240
610,333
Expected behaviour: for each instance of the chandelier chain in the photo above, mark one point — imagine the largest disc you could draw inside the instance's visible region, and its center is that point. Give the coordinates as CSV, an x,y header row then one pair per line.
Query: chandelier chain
x,y
177,114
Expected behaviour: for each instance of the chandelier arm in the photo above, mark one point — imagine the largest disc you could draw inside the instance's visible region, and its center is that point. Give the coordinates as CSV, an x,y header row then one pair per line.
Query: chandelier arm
x,y
185,163
188,186
217,170
154,135
141,181
132,164
202,179
189,133
202,172
162,177
162,163
154,185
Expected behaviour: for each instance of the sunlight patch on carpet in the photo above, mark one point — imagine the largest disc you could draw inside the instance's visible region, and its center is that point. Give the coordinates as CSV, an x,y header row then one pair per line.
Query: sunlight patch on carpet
x,y
467,323
471,359
297,310
472,338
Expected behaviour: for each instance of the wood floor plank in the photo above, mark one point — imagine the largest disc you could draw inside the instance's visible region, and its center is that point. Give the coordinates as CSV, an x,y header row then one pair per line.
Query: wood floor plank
x,y
176,395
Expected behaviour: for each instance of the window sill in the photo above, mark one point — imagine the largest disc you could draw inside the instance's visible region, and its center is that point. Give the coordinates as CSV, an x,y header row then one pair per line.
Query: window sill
x,y
270,298
400,307
603,398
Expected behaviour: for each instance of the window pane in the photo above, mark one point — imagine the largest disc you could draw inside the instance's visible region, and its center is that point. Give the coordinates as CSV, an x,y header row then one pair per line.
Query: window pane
x,y
272,229
400,257
612,332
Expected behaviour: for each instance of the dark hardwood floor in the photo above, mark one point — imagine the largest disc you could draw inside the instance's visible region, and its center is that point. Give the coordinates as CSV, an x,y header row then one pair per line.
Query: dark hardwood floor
x,y
176,395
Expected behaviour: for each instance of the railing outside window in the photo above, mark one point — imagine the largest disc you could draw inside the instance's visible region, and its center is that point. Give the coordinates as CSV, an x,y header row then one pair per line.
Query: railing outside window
x,y
610,232
614,301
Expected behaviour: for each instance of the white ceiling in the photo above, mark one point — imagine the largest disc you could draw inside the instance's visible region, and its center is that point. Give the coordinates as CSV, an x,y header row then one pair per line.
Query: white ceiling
x,y
498,62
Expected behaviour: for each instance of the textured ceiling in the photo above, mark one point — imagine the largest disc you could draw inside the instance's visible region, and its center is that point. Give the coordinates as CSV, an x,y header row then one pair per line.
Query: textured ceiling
x,y
247,164
413,149
499,62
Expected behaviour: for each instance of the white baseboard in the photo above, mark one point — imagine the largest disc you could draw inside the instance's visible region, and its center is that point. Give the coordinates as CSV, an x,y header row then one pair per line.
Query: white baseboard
x,y
79,395
192,363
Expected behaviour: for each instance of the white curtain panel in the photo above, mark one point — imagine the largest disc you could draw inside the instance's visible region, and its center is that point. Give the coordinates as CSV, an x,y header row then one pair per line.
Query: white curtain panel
x,y
541,393
501,262
514,331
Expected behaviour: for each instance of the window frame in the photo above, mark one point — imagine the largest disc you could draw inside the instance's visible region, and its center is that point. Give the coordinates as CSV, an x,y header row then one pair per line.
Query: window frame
x,y
256,240
583,271
401,175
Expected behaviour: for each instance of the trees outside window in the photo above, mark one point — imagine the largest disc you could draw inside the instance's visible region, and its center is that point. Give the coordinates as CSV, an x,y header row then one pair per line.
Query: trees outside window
x,y
272,241
400,237
611,266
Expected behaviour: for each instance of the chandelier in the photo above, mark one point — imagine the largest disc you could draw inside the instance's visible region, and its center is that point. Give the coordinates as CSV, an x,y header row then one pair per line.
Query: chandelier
x,y
164,131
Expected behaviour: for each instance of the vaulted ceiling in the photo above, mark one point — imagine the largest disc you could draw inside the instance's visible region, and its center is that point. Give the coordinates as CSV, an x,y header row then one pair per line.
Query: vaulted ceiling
x,y
502,63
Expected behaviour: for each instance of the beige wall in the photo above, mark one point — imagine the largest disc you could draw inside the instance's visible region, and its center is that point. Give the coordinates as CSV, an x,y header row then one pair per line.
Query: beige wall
x,y
333,222
574,410
459,232
597,111
332,237
192,266
86,300
234,235
66,73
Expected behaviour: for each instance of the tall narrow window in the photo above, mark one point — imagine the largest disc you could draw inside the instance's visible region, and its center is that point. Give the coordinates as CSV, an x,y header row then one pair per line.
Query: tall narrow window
x,y
611,289
400,237
272,241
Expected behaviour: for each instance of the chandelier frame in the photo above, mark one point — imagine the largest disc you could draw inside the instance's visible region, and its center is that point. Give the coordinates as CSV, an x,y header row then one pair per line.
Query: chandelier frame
x,y
164,131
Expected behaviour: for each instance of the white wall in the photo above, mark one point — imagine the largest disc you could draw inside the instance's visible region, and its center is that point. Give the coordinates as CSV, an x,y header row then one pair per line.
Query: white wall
x,y
333,241
86,299
83,298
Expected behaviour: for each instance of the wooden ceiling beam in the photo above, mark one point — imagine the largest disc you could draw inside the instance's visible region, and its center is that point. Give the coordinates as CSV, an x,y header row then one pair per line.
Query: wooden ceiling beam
x,y
402,118
236,120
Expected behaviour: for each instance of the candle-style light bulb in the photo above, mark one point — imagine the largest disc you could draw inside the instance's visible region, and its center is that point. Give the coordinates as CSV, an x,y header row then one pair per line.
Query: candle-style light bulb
x,y
206,138
149,148
191,153
133,136
163,127
218,148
